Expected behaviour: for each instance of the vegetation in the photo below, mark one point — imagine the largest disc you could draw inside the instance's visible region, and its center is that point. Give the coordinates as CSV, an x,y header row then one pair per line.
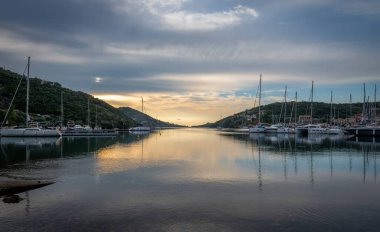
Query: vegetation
x,y
45,104
271,113
144,119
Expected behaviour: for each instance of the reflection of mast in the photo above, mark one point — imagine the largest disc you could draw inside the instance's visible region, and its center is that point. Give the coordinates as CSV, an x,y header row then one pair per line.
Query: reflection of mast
x,y
285,162
311,165
374,161
364,164
295,156
331,159
142,149
260,174
27,203
88,144
27,150
258,169
61,148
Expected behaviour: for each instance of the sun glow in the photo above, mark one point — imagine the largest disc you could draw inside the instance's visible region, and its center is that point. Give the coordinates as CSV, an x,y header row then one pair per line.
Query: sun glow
x,y
184,109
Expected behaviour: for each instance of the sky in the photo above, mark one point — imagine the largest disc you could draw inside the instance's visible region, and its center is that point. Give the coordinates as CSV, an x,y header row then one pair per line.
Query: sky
x,y
195,61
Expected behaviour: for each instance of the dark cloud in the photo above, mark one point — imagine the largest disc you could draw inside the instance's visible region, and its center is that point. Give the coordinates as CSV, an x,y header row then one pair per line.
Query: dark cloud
x,y
127,43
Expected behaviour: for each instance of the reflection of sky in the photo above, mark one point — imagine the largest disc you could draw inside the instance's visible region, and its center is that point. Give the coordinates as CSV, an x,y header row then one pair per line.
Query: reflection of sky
x,y
199,180
192,155
194,51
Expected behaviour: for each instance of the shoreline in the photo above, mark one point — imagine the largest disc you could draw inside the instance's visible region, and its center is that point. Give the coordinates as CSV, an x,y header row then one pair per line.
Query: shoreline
x,y
15,185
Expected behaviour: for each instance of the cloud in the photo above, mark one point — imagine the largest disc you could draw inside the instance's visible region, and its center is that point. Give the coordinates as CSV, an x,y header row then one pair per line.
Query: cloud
x,y
182,20
205,55
192,108
173,15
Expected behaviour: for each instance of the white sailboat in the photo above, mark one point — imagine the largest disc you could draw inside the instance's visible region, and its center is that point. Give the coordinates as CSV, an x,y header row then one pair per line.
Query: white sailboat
x,y
28,130
333,129
311,128
140,127
260,127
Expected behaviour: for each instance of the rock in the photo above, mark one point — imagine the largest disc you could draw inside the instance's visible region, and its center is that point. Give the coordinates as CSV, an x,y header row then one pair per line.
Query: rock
x,y
11,199
13,186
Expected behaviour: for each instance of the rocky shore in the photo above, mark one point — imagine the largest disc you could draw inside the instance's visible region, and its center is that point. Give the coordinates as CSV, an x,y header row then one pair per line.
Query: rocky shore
x,y
11,185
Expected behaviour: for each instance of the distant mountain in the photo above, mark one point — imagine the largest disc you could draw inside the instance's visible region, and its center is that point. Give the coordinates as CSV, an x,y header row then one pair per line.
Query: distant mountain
x,y
45,104
271,113
145,119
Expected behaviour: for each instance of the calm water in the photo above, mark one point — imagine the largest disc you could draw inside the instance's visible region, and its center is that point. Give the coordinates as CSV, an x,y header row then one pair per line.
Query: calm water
x,y
194,180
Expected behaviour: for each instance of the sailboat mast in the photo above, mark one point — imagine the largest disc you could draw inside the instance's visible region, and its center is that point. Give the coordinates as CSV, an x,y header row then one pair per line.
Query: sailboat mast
x,y
331,107
61,109
142,104
285,105
363,113
27,95
295,111
350,105
96,116
375,107
312,98
260,100
88,111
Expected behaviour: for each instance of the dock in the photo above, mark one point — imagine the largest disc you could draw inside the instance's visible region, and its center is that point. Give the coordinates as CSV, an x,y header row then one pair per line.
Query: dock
x,y
364,131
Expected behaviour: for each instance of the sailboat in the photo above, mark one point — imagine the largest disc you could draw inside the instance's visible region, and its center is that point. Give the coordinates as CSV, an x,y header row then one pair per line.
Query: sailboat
x,y
29,130
78,130
311,128
284,129
260,127
140,127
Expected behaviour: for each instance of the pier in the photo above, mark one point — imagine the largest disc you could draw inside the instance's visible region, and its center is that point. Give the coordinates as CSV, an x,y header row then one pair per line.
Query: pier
x,y
364,131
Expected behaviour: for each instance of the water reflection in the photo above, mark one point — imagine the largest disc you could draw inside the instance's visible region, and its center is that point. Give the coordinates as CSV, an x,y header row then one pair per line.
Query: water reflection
x,y
193,179
23,150
207,155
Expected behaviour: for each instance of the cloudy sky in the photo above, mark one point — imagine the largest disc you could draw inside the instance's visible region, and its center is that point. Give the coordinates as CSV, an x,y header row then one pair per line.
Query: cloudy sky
x,y
195,61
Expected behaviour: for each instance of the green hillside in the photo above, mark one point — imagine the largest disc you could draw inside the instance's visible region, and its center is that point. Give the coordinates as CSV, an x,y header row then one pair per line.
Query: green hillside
x,y
271,113
144,119
45,104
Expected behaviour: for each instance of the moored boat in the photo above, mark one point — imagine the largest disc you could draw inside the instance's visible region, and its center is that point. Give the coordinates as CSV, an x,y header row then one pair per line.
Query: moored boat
x,y
29,130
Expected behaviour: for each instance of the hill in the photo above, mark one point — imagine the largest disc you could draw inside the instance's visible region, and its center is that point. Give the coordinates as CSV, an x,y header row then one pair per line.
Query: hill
x,y
45,104
145,119
271,113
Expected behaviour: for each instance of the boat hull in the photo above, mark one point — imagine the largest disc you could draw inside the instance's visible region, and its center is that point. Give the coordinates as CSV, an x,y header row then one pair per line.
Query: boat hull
x,y
27,132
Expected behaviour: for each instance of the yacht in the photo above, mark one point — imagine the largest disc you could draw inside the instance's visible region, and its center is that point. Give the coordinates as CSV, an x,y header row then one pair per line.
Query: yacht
x,y
29,130
259,128
140,128
273,128
310,129
335,130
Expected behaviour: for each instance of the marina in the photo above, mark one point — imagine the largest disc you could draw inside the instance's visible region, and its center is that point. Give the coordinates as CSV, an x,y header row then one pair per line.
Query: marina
x,y
187,116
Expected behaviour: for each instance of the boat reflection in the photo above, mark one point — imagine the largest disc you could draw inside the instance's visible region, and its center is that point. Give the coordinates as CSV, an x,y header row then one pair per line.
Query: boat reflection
x,y
324,155
22,150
